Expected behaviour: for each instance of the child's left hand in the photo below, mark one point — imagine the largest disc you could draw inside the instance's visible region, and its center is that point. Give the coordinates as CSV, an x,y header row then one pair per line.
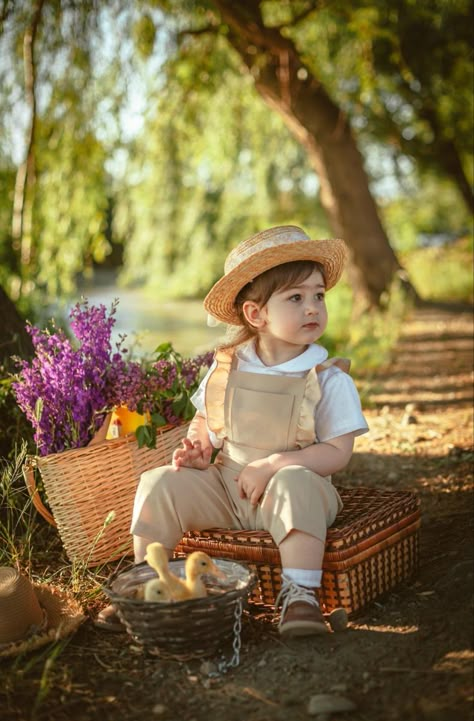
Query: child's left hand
x,y
253,479
192,455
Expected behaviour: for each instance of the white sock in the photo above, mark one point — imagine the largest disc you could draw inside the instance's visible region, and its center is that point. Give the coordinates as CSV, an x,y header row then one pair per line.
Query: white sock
x,y
304,577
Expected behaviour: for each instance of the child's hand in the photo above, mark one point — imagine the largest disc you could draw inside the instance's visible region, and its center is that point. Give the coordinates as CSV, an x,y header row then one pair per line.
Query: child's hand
x,y
192,455
253,479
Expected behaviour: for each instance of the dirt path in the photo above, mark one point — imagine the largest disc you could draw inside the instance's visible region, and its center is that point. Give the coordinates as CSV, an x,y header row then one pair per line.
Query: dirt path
x,y
409,657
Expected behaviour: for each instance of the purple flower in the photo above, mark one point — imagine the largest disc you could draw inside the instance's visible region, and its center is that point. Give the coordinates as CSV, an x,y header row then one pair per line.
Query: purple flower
x,y
70,385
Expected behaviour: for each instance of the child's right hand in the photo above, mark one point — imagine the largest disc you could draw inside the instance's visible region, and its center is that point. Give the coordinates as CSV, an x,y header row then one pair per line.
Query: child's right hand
x,y
192,455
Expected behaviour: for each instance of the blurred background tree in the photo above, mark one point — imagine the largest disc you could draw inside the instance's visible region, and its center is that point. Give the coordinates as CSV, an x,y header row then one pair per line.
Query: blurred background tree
x,y
150,136
135,133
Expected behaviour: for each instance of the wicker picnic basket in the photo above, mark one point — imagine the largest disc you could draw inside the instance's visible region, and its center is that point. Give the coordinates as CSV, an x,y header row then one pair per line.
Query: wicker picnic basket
x,y
201,627
91,490
371,548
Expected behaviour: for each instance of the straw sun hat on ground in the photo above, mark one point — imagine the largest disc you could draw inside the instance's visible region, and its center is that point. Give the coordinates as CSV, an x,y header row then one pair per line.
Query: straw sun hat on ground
x,y
32,615
263,251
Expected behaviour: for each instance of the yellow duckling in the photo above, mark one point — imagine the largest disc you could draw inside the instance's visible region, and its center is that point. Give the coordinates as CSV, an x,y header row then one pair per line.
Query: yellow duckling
x,y
157,591
197,564
157,558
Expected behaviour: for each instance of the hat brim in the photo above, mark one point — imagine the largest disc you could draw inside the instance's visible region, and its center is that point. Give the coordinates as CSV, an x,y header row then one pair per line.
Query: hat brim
x,y
332,254
64,616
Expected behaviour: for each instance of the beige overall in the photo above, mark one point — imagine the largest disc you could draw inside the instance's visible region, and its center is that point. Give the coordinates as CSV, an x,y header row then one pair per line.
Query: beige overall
x,y
255,415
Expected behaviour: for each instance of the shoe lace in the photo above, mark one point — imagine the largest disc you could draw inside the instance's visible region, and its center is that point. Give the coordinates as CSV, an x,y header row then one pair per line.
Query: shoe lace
x,y
291,592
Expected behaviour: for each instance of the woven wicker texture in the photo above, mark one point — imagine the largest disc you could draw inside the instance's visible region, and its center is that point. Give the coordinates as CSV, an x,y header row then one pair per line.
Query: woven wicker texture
x,y
85,485
63,616
188,629
371,548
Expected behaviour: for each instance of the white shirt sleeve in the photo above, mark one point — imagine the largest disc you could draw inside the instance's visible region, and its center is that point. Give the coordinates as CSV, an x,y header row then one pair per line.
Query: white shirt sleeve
x,y
198,399
339,410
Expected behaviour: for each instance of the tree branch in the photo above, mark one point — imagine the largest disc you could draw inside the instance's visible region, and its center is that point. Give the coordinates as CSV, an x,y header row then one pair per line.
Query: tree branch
x,y
212,29
298,18
245,18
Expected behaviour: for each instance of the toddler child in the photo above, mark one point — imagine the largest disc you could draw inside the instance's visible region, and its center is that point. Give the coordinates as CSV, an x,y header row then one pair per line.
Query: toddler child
x,y
282,415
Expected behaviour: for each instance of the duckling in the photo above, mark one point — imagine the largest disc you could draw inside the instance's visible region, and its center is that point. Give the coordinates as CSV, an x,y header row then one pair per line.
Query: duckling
x,y
157,591
197,564
157,558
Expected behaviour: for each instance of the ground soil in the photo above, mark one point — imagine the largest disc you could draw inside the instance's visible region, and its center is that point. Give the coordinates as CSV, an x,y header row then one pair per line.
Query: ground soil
x,y
408,657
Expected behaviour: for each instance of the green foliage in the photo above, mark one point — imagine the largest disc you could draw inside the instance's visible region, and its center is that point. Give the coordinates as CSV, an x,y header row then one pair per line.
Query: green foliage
x,y
8,260
404,77
367,340
429,208
71,170
213,163
170,399
339,306
69,188
218,167
14,428
439,274
144,34
443,273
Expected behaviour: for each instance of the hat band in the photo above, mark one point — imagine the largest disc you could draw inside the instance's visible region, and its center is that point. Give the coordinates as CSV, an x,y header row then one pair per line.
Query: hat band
x,y
266,239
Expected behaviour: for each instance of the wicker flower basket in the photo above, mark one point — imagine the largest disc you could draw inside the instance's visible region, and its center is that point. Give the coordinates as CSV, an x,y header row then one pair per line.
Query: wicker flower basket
x,y
203,627
91,490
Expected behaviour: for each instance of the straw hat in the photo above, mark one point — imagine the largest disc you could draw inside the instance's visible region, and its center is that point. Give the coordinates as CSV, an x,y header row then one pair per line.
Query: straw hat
x,y
32,615
282,244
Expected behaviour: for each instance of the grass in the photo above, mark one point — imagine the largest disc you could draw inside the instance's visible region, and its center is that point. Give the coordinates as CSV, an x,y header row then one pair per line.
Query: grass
x,y
17,524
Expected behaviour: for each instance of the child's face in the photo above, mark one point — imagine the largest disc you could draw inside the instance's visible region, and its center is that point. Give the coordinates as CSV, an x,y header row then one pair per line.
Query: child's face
x,y
297,315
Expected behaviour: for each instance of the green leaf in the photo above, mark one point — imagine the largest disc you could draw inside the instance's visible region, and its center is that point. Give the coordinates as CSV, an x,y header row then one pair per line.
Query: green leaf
x,y
179,404
145,436
189,411
158,420
38,408
163,348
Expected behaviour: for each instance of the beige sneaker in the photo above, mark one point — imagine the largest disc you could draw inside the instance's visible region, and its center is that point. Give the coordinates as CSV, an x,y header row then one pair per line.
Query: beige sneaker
x,y
300,612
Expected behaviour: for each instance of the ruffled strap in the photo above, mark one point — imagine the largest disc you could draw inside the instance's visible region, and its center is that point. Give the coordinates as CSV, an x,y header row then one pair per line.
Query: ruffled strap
x,y
305,434
215,392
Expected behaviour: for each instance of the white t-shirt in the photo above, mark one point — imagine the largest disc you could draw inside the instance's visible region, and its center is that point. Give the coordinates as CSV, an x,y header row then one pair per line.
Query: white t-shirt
x,y
338,411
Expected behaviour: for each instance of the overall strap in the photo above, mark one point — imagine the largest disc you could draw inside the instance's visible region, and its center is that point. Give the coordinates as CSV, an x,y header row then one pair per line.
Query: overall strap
x,y
343,363
305,435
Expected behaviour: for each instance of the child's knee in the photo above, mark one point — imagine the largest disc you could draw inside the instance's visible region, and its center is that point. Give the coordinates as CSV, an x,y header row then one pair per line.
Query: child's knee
x,y
156,477
166,481
296,480
298,487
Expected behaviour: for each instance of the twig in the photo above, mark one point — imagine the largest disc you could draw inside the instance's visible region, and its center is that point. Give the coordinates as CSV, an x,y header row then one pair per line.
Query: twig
x,y
259,696
406,669
101,663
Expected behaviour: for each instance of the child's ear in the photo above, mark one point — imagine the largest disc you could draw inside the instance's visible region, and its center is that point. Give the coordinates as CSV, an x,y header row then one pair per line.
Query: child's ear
x,y
253,314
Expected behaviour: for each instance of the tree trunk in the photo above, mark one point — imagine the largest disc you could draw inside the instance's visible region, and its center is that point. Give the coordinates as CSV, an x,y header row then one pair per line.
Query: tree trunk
x,y
288,86
22,220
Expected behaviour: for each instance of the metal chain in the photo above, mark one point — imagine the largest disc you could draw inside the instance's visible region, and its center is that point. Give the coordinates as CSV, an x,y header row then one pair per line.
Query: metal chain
x,y
236,643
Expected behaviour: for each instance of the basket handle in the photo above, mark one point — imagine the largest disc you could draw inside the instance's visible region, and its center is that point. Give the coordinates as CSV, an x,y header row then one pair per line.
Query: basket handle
x,y
29,476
